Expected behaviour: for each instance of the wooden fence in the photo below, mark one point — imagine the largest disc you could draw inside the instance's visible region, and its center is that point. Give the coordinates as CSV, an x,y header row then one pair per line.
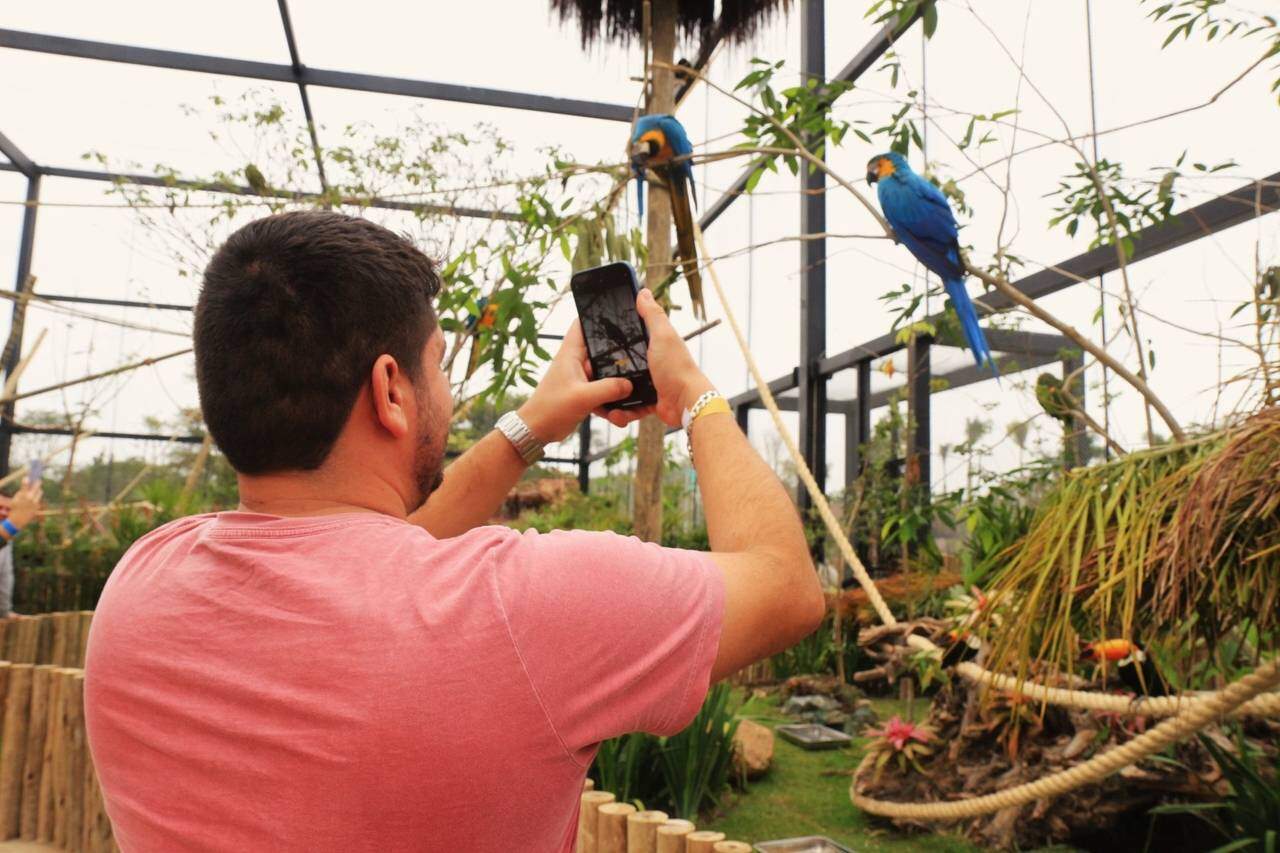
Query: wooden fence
x,y
607,826
48,789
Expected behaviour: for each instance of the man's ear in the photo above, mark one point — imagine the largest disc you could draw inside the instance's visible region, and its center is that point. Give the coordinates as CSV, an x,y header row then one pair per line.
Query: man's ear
x,y
390,405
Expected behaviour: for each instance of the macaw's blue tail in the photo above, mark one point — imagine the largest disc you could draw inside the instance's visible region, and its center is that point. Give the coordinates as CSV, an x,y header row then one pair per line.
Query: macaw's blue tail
x,y
640,192
969,322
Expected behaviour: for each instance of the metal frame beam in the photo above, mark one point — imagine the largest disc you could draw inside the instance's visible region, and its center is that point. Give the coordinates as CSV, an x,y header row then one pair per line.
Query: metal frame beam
x,y
13,350
298,67
180,61
862,61
21,162
240,189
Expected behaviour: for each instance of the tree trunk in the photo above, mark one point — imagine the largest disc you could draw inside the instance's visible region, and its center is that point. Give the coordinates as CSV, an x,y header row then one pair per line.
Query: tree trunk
x,y
647,510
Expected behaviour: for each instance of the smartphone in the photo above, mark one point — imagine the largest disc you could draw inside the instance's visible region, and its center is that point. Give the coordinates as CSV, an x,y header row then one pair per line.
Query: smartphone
x,y
617,341
35,471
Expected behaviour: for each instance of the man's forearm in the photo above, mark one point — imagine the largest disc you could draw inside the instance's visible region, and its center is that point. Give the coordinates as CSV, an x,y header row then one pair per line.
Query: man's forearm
x,y
473,489
746,506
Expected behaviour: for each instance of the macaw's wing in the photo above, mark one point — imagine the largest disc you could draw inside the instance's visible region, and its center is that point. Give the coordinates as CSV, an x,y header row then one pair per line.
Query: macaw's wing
x,y
686,248
922,219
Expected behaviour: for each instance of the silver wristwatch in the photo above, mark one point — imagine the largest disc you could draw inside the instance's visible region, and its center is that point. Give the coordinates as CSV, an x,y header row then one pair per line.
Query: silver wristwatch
x,y
521,437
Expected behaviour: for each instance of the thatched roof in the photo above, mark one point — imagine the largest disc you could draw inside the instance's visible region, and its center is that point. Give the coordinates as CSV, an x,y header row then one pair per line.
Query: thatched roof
x,y
622,20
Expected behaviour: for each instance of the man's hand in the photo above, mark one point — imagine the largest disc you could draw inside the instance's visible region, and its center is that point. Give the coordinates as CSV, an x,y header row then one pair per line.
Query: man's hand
x,y
567,394
22,508
676,375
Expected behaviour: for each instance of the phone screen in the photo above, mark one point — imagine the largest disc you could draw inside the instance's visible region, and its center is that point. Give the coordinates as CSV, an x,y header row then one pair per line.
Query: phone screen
x,y
617,342
35,471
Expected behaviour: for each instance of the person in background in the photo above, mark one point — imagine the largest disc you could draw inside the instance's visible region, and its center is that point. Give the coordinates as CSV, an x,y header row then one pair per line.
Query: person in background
x,y
15,513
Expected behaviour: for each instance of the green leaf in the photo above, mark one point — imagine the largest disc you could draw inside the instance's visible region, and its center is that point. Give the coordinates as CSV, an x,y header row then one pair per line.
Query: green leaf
x,y
930,20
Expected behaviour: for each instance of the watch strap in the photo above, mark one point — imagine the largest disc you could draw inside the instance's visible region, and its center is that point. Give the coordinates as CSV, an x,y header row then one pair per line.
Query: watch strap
x,y
526,444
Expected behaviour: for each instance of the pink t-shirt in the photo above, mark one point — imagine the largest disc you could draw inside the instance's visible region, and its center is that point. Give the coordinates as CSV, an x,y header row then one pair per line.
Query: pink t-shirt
x,y
351,683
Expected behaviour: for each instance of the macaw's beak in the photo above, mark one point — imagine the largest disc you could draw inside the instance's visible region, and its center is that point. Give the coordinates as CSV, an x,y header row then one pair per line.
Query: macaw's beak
x,y
872,177
639,154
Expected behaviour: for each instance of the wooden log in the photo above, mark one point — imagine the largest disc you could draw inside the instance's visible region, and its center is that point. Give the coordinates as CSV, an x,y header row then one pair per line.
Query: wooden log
x,y
73,640
58,654
5,668
61,764
702,841
76,748
4,636
52,737
611,828
588,784
642,831
732,847
589,817
41,685
97,837
86,619
28,640
13,747
44,645
672,835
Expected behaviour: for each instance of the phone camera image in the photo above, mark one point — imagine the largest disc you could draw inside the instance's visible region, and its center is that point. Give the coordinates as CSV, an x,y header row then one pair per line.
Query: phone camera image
x,y
617,341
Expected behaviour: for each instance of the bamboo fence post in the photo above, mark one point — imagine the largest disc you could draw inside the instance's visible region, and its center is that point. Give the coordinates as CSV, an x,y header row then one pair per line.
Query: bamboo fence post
x,y
589,817
642,831
29,813
52,739
732,847
672,835
44,642
5,668
13,747
58,655
86,620
4,636
75,746
588,784
611,827
702,841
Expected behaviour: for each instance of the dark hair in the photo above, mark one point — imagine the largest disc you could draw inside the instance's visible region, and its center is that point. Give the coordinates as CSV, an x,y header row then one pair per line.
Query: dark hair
x,y
294,310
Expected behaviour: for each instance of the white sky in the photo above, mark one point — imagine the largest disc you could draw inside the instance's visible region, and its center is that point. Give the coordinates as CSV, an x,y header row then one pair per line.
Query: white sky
x,y
57,108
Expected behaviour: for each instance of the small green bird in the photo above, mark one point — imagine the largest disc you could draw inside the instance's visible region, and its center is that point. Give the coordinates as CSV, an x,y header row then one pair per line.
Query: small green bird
x,y
256,180
1056,402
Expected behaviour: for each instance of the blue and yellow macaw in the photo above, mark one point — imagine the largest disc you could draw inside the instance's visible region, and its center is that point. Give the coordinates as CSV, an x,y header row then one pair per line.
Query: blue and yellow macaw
x,y
923,222
657,140
484,320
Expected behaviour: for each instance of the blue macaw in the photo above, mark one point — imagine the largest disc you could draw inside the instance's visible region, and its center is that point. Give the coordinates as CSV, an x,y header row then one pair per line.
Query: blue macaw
x,y
657,140
923,222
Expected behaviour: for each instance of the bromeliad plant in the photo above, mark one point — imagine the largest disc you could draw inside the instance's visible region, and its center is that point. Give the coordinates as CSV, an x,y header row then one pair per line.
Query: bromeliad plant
x,y
901,741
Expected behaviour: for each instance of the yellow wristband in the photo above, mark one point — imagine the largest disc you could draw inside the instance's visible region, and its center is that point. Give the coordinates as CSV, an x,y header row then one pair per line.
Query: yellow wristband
x,y
717,405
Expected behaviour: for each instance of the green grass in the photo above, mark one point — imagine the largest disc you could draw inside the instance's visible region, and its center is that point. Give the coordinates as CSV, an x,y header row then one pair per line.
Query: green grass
x,y
795,799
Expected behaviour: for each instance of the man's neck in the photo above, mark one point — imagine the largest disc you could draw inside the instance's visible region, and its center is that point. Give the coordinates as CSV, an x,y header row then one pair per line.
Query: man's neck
x,y
312,493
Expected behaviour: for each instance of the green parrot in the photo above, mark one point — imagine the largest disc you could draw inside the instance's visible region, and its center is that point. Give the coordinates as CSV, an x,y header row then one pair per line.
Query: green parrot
x,y
1052,399
256,180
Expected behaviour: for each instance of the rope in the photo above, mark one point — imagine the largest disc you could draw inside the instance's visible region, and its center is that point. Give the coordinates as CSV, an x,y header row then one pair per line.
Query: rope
x,y
1187,713
1199,713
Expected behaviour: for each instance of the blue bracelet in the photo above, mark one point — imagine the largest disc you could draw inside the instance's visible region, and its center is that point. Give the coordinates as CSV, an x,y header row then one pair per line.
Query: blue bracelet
x,y
8,527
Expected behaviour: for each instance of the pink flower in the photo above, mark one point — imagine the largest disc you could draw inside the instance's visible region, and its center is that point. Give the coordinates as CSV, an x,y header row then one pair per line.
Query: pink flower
x,y
898,732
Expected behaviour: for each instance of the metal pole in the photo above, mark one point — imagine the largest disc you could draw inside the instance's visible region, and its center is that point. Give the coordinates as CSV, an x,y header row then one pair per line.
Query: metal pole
x,y
26,245
857,423
584,455
813,271
922,375
742,414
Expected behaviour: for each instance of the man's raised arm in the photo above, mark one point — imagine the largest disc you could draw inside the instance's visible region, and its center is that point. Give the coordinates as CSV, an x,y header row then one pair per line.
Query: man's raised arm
x,y
772,595
478,481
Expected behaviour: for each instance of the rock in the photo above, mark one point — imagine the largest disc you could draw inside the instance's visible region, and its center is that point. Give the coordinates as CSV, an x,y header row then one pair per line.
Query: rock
x,y
811,705
752,749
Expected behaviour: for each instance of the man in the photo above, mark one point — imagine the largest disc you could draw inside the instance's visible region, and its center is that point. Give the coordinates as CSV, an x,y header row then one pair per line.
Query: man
x,y
351,660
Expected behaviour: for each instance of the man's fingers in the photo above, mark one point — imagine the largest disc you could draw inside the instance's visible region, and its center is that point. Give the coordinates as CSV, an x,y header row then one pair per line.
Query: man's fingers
x,y
623,417
574,345
655,319
606,391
